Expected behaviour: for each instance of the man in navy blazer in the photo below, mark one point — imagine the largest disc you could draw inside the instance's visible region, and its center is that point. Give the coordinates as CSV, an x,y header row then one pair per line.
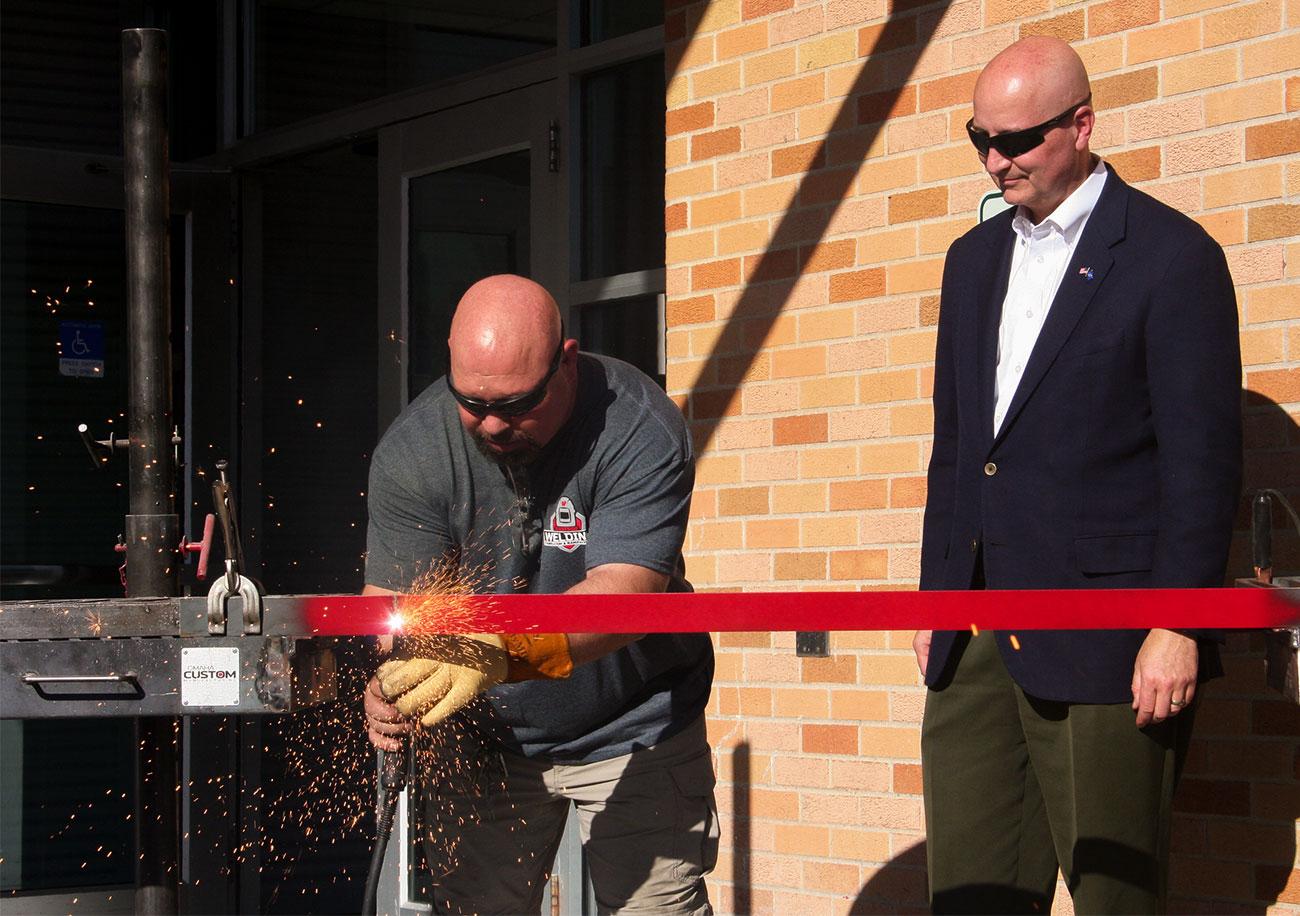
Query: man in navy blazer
x,y
1087,435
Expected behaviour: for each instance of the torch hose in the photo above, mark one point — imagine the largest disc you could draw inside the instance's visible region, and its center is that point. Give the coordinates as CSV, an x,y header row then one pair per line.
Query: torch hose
x,y
392,779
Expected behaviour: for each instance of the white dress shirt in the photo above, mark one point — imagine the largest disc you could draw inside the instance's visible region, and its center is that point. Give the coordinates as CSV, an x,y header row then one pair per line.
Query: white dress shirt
x,y
1038,265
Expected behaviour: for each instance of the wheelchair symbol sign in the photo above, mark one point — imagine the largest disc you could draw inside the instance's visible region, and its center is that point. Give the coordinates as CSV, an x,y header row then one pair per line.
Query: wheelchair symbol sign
x,y
81,349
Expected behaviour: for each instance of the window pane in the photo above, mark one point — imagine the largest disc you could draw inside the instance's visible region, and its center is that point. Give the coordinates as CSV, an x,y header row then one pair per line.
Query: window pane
x,y
625,328
605,19
465,224
313,57
623,169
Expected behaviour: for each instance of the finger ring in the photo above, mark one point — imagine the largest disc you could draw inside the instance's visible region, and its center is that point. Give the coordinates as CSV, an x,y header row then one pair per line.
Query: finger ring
x,y
1177,704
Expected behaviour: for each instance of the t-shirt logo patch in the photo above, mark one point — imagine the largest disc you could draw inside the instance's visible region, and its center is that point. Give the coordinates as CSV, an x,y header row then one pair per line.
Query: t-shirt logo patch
x,y
567,527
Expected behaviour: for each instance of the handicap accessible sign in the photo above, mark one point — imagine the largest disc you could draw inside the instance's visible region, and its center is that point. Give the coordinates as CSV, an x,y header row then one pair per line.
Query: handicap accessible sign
x,y
81,349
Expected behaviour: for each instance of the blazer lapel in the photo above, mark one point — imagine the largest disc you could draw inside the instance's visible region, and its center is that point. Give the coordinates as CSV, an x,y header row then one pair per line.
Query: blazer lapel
x,y
989,318
1085,274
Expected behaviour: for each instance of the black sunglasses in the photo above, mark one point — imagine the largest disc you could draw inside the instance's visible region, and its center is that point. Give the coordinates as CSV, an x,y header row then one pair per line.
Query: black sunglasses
x,y
515,406
1015,143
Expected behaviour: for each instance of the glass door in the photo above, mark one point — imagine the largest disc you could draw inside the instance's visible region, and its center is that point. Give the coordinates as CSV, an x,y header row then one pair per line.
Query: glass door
x,y
464,193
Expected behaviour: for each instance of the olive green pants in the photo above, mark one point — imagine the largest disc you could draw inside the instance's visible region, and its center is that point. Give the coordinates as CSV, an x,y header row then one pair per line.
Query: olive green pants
x,y
1016,786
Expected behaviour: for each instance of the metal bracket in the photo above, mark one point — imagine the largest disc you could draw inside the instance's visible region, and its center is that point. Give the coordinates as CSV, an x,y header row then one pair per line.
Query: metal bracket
x,y
219,596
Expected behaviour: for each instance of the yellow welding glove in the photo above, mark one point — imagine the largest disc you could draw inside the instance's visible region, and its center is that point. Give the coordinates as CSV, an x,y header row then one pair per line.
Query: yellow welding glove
x,y
537,655
434,676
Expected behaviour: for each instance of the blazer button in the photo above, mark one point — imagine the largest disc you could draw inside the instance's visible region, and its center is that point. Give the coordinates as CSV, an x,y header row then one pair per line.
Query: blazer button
x,y
975,546
990,469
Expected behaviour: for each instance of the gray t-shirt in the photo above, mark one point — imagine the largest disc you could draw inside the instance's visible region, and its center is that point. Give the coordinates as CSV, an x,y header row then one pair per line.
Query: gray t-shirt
x,y
613,486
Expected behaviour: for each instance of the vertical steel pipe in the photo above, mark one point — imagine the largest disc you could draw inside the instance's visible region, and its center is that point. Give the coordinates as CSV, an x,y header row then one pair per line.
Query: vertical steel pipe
x,y
152,527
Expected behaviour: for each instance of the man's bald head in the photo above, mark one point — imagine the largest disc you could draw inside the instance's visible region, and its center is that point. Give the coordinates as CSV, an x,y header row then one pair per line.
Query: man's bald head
x,y
1037,89
504,324
1037,73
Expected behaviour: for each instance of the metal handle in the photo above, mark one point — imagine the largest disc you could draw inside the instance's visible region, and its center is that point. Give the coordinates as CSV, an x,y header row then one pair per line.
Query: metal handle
x,y
130,678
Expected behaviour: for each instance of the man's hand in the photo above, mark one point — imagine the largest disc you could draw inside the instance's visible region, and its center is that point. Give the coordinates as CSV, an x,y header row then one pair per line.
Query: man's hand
x,y
384,723
921,646
1164,676
437,675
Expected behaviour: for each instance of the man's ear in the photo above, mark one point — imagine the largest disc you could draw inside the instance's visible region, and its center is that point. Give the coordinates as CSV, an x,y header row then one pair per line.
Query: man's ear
x,y
1084,119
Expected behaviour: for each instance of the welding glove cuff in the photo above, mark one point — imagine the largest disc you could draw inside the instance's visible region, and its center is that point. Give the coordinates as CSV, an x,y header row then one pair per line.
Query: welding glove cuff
x,y
433,677
535,656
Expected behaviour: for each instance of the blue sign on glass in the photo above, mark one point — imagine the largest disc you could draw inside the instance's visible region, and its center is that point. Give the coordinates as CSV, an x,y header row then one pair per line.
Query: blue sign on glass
x,y
81,349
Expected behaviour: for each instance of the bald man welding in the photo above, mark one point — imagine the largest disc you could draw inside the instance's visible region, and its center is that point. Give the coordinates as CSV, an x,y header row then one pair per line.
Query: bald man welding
x,y
534,467
1087,435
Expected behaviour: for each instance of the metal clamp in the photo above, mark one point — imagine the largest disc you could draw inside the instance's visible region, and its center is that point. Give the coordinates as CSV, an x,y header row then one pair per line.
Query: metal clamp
x,y
37,682
221,593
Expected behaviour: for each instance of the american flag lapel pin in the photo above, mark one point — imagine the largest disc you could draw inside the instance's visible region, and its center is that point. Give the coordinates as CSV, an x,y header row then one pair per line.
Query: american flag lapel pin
x,y
1085,272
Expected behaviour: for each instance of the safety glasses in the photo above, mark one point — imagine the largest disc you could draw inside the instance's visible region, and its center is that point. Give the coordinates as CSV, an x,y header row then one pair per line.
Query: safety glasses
x,y
1015,143
510,407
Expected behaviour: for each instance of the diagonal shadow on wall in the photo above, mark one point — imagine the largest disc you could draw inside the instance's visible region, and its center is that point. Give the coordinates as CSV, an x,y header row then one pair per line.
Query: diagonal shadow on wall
x,y
827,170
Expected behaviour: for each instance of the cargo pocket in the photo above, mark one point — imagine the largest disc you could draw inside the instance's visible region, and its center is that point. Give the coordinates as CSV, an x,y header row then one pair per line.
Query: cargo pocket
x,y
697,817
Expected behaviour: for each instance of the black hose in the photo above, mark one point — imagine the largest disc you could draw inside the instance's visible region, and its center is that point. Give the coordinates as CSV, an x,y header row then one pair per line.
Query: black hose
x,y
392,779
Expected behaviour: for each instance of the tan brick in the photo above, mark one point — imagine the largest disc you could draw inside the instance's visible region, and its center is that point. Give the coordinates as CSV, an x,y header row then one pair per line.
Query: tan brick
x,y
771,533
679,311
801,361
1199,71
889,457
1137,164
855,425
887,104
891,385
770,198
1125,88
883,175
907,492
827,462
858,494
934,238
716,273
1242,22
706,211
715,81
859,564
1273,303
949,162
799,497
893,742
863,705
916,347
688,182
1227,227
1263,346
859,284
797,159
1244,103
856,355
1163,41
1293,93
916,133
716,535
742,237
1278,138
1256,264
802,840
829,256
1166,119
1067,26
806,564
675,217
798,93
1223,189
1274,221
1102,55
835,531
1277,55
947,91
912,419
1121,15
743,106
766,68
743,501
715,143
676,152
692,117
696,246
744,39
916,205
1196,154
1174,8
818,54
826,325
743,170
914,276
754,9
887,245
796,25
1279,385
799,430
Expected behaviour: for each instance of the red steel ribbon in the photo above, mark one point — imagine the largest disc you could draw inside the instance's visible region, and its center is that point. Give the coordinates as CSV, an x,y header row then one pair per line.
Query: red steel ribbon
x,y
1083,609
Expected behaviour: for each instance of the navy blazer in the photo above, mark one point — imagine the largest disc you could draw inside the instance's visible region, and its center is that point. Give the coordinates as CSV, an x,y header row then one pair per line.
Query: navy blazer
x,y
1119,462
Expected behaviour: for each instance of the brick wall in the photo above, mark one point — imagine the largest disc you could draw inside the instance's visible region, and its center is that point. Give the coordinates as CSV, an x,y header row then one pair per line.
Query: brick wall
x,y
817,170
